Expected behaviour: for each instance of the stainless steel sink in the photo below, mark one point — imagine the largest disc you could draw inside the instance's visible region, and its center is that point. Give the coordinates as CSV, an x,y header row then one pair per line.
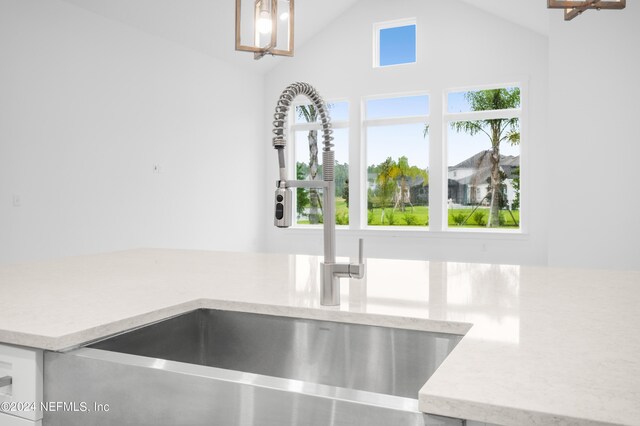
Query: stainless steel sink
x,y
211,367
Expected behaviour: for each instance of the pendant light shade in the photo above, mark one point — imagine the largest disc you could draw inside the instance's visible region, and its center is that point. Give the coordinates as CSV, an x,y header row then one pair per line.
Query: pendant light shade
x,y
265,27
574,8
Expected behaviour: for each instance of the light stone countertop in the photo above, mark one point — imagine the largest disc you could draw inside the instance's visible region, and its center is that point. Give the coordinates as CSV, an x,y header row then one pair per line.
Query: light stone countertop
x,y
542,346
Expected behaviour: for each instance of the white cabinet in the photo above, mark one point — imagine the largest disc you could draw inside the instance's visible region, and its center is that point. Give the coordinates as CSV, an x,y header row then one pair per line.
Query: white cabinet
x,y
9,420
24,367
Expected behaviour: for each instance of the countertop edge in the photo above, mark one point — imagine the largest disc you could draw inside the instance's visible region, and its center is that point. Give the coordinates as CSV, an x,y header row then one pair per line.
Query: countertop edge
x,y
499,415
82,337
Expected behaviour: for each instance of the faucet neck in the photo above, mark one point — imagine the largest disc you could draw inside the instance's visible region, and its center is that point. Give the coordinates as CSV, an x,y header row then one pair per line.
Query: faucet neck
x,y
331,272
282,109
328,156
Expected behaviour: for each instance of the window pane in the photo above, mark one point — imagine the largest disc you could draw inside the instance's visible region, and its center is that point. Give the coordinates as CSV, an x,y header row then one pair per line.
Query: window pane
x,y
309,201
397,45
472,174
406,106
338,111
484,100
397,172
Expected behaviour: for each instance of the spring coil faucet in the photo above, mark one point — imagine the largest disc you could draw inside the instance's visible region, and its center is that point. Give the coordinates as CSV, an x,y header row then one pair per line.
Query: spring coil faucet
x,y
330,271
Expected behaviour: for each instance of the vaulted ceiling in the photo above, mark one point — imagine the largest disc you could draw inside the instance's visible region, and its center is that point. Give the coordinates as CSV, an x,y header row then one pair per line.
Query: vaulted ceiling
x,y
207,26
532,14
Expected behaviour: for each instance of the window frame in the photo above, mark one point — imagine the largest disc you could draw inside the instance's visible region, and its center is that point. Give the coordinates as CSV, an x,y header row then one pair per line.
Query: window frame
x,y
378,26
448,117
438,118
363,174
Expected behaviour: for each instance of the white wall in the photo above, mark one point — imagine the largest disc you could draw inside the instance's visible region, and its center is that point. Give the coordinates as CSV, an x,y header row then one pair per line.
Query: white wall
x,y
594,67
456,47
88,106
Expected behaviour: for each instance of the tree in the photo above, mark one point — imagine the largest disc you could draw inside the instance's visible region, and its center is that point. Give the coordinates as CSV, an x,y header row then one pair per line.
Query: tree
x,y
515,205
341,175
385,182
498,130
501,191
402,171
310,114
345,191
302,199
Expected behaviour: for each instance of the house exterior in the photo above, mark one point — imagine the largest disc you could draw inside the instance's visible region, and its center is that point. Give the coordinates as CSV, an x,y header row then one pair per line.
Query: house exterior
x,y
468,181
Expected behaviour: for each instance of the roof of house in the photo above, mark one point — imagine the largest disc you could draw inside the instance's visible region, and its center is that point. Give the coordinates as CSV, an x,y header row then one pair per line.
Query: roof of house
x,y
481,162
483,159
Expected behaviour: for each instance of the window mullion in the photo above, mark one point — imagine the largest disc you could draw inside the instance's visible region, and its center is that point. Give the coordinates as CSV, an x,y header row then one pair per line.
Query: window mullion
x,y
437,169
396,120
483,115
301,127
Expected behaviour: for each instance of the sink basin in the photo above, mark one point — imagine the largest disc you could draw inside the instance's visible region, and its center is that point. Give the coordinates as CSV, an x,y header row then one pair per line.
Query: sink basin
x,y
212,367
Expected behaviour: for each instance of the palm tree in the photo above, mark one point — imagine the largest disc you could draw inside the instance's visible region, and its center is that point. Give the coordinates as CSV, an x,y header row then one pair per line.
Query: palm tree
x,y
402,171
498,130
302,199
310,114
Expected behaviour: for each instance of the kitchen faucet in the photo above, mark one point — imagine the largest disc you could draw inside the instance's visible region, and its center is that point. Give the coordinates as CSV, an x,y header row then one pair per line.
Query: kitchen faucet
x,y
330,271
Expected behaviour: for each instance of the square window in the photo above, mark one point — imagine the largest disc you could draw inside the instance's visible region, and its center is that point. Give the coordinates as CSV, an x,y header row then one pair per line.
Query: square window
x,y
395,43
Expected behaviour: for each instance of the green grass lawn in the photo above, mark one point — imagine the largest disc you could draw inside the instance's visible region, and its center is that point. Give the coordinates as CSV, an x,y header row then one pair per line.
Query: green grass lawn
x,y
472,222
419,216
342,213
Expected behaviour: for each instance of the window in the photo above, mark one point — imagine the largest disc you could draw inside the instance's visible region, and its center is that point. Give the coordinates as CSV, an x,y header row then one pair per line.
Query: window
x,y
397,160
483,153
307,141
477,158
395,43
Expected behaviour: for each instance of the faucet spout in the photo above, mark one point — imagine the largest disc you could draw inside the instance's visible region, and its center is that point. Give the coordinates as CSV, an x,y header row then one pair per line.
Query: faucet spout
x,y
331,272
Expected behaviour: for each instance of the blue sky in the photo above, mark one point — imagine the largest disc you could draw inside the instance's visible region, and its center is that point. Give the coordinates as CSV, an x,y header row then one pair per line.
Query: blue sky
x,y
406,139
457,102
405,106
462,146
398,140
398,45
339,111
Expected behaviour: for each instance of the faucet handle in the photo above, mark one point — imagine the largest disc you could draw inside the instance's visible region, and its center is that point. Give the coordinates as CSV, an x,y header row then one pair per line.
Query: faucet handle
x,y
357,270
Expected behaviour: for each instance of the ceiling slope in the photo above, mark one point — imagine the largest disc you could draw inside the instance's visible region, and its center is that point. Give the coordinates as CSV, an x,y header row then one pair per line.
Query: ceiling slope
x,y
531,14
207,26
